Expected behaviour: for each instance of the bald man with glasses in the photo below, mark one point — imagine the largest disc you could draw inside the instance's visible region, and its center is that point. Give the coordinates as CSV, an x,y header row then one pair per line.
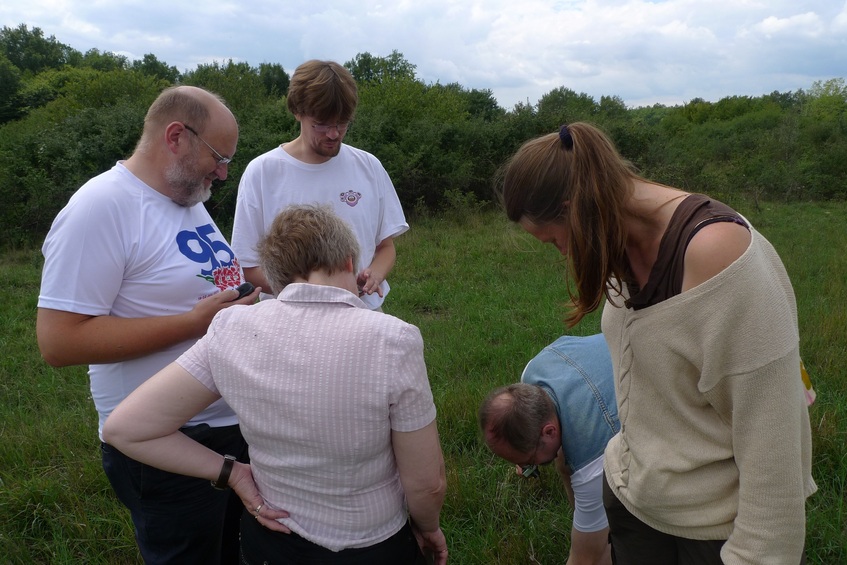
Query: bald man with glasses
x,y
134,271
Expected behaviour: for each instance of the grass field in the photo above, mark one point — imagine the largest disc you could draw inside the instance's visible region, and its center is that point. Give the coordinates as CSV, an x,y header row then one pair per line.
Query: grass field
x,y
486,298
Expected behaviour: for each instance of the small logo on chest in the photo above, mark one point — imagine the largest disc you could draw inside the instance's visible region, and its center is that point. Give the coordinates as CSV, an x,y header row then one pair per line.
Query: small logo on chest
x,y
351,197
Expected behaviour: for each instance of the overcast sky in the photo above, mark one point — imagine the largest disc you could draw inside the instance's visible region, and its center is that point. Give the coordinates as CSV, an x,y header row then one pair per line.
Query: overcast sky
x,y
666,52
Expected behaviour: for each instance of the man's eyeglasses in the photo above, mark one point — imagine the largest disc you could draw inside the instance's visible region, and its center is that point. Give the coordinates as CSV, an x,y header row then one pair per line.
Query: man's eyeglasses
x,y
324,129
530,471
220,158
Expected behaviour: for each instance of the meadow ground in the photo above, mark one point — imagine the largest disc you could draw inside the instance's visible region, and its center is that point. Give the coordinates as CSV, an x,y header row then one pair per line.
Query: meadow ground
x,y
486,298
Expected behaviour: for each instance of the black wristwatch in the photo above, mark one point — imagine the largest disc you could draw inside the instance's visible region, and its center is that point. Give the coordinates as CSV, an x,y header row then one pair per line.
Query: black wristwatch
x,y
223,479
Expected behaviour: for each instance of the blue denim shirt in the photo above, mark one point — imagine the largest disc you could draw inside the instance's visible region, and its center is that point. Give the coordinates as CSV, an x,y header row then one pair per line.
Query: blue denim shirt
x,y
577,374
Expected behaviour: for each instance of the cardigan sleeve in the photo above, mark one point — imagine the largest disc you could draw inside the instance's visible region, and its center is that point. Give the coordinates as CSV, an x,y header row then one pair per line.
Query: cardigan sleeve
x,y
770,432
715,440
757,390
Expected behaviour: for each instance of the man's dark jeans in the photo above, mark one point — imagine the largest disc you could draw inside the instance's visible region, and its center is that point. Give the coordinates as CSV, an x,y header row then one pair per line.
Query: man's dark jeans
x,y
180,519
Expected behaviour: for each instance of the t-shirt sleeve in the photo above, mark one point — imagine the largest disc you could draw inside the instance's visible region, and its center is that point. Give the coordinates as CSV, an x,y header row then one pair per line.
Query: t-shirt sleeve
x,y
84,257
410,405
393,219
248,225
587,483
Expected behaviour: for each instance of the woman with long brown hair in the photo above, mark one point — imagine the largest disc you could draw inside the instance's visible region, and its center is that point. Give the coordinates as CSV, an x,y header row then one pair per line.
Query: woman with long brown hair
x,y
713,460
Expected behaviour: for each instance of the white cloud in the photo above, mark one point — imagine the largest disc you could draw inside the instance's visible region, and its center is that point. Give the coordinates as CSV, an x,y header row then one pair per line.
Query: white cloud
x,y
839,23
644,51
808,24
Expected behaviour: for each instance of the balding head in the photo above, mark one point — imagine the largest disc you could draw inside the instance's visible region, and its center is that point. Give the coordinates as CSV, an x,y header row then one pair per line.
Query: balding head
x,y
187,104
188,134
516,414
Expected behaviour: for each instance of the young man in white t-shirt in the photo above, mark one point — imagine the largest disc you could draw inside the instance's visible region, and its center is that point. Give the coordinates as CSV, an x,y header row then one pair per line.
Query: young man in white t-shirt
x,y
317,167
134,271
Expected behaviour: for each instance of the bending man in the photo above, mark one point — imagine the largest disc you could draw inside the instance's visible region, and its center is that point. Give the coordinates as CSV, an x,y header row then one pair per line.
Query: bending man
x,y
564,410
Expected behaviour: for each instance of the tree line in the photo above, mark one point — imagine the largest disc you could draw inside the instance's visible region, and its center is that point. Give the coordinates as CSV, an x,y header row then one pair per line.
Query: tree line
x,y
66,116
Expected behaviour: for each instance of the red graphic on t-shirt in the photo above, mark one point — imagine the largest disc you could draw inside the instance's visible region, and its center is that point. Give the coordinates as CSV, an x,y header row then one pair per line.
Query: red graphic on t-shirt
x,y
227,277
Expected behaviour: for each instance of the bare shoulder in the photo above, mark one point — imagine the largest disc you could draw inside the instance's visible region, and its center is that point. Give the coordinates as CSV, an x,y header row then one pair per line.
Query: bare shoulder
x,y
713,249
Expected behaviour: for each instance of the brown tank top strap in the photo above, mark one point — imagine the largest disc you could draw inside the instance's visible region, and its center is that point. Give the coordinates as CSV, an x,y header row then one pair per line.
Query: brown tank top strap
x,y
692,214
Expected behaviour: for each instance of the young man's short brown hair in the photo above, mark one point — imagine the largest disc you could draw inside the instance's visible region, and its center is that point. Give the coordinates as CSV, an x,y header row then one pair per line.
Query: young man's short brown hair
x,y
324,91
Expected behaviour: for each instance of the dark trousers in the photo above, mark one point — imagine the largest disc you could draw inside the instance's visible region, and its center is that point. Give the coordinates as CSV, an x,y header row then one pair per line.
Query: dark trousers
x,y
179,519
636,543
260,546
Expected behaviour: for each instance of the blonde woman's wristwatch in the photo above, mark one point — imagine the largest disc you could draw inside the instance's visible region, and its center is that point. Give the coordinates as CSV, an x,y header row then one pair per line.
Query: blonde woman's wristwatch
x,y
223,478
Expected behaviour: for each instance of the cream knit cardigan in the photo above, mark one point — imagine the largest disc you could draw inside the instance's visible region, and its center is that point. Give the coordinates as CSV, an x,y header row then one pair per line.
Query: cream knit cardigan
x,y
715,441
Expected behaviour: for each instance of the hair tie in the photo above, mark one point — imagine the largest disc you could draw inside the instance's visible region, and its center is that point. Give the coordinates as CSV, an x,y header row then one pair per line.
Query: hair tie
x,y
566,137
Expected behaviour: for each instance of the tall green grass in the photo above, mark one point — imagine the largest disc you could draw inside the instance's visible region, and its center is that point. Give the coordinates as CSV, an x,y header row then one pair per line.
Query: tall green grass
x,y
487,298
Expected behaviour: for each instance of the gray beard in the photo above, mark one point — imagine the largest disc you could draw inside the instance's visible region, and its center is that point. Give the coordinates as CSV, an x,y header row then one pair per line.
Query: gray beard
x,y
200,194
186,190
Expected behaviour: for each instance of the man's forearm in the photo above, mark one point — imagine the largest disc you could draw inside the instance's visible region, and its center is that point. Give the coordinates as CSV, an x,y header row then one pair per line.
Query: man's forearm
x,y
256,276
590,548
384,258
68,338
83,340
